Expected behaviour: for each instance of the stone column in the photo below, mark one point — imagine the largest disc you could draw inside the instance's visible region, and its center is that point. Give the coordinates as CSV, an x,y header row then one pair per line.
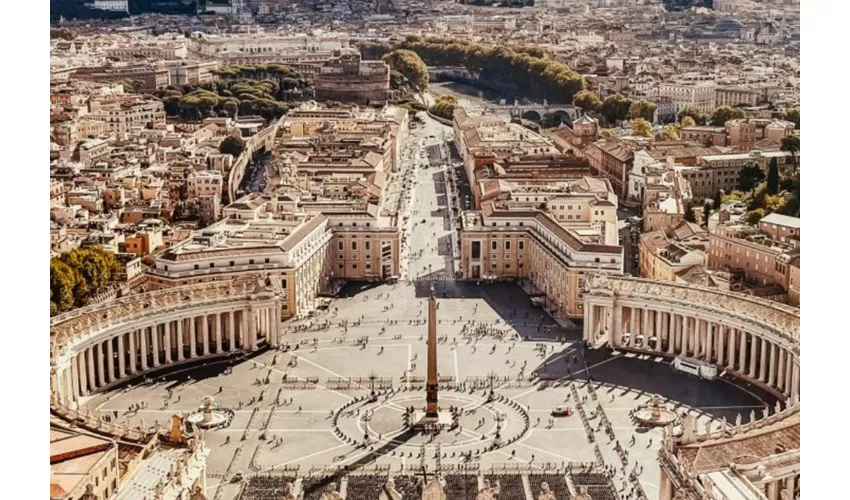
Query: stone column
x,y
217,317
721,343
144,344
763,367
167,330
90,361
633,326
155,344
193,337
205,332
80,361
243,327
252,330
771,372
795,380
101,377
110,362
616,335
742,356
180,355
698,342
780,372
709,341
772,491
670,320
645,328
732,359
789,372
753,355
132,337
277,325
657,331
231,330
122,354
790,483
686,333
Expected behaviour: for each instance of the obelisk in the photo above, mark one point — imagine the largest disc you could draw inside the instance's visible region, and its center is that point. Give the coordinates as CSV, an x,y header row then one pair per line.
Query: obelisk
x,y
431,382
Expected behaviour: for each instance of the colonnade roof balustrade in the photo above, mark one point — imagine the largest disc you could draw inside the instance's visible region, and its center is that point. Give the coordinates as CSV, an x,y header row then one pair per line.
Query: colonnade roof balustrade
x,y
781,318
66,326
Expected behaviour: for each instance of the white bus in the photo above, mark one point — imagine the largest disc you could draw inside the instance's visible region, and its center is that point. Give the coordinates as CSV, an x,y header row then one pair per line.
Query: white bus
x,y
695,367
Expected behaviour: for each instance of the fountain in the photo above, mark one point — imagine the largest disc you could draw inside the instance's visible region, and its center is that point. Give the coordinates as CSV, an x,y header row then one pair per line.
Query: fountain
x,y
209,415
654,414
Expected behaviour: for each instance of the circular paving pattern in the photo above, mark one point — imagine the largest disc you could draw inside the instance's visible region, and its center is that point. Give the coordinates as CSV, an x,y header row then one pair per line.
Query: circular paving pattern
x,y
482,424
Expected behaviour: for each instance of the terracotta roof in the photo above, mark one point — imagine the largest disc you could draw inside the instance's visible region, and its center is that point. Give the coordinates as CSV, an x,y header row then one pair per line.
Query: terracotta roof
x,y
302,231
755,445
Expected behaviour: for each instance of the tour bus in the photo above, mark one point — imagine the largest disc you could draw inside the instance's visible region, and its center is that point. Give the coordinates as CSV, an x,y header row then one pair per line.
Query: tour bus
x,y
695,367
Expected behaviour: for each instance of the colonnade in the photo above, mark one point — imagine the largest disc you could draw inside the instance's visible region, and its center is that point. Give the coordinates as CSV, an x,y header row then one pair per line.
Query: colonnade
x,y
696,335
163,339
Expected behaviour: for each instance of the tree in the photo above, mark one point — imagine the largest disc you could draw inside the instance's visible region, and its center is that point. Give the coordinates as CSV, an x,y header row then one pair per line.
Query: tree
x,y
61,286
669,132
718,196
642,109
690,216
755,216
409,64
587,100
695,114
640,127
723,114
706,212
793,115
773,177
615,108
791,144
232,145
749,177
688,121
79,275
444,107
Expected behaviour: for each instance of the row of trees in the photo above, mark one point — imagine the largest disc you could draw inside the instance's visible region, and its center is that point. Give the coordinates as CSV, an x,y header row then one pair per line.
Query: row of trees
x,y
258,90
615,108
523,70
79,275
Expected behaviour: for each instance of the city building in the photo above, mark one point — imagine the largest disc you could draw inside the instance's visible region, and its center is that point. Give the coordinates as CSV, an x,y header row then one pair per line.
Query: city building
x,y
346,78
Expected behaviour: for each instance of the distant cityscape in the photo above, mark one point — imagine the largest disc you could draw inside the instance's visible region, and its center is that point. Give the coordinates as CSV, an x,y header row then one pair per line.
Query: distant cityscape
x,y
242,280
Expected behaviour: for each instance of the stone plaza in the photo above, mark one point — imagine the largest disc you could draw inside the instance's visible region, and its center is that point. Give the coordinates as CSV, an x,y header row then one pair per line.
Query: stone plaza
x,y
308,404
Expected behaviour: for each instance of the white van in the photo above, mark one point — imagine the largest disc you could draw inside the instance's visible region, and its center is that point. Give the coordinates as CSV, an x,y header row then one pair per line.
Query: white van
x,y
695,367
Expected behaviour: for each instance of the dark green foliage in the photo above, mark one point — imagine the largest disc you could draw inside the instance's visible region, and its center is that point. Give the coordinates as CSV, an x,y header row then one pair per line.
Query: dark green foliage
x,y
79,275
524,69
749,177
773,177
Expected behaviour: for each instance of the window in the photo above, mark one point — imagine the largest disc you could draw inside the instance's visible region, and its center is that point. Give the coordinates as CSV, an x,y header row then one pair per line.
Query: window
x,y
353,266
232,263
494,245
507,244
507,266
354,245
522,244
368,257
493,265
368,245
341,246
196,266
284,283
476,249
341,266
251,261
368,267
341,257
212,264
268,260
